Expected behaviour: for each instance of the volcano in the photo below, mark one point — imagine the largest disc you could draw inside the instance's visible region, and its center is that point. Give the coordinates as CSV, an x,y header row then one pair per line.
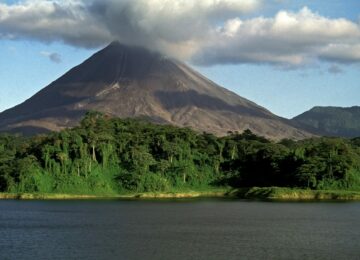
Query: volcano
x,y
127,81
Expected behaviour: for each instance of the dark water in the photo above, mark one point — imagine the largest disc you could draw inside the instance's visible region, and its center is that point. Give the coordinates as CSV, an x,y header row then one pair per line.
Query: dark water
x,y
193,229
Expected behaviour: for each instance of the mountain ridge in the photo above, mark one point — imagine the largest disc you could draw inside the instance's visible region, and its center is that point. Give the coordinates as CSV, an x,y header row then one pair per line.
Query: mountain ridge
x,y
331,121
127,81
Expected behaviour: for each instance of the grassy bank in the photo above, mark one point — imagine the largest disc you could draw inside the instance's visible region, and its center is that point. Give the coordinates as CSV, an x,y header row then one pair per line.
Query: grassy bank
x,y
216,192
255,193
278,193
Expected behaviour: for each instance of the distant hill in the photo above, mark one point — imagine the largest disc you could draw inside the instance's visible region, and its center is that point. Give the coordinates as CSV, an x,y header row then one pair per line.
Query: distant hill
x,y
331,121
127,81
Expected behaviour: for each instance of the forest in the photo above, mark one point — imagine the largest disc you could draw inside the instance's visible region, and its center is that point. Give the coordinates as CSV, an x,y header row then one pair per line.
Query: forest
x,y
105,155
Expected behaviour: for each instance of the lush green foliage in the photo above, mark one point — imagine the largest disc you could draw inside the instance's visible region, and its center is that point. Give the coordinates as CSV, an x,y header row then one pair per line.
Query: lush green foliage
x,y
107,156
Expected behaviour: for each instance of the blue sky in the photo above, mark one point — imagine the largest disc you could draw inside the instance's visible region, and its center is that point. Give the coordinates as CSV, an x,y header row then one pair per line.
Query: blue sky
x,y
33,57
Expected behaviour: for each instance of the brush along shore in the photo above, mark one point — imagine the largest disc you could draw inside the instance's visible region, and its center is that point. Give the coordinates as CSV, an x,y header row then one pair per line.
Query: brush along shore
x,y
261,193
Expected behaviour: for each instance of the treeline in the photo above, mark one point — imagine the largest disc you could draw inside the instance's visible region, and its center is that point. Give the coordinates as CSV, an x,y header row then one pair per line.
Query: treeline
x,y
108,155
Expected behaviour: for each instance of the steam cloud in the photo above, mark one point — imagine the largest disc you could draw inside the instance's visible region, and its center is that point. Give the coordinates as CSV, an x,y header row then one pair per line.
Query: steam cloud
x,y
205,32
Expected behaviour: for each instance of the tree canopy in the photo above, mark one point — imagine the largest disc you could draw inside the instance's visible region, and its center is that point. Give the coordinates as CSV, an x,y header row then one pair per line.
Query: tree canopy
x,y
111,155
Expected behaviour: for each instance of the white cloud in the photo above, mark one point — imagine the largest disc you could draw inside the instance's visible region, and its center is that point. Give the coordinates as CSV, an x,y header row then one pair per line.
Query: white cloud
x,y
53,56
342,53
204,31
48,21
288,38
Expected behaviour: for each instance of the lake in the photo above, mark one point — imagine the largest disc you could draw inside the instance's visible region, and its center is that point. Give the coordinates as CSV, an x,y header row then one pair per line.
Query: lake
x,y
179,229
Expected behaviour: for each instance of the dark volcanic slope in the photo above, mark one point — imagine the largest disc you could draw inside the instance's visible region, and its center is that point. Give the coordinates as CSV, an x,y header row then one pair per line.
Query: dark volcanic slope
x,y
134,82
331,121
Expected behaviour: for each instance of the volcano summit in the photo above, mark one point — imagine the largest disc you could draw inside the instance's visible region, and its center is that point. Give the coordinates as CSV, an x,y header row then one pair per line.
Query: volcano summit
x,y
126,81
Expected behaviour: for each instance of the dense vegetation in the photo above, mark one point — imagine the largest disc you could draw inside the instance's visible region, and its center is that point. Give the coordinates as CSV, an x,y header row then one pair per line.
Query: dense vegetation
x,y
107,156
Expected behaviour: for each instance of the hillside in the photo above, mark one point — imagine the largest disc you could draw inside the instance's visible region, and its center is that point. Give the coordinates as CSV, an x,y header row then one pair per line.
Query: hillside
x,y
126,81
331,121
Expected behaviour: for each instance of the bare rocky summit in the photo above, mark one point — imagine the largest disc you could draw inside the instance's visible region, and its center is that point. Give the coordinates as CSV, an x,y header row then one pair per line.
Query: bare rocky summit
x,y
126,81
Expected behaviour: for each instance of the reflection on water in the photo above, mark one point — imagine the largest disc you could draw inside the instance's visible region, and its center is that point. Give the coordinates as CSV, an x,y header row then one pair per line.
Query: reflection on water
x,y
185,229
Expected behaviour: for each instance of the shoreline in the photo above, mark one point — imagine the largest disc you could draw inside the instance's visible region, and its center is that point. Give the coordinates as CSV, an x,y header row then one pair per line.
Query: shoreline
x,y
255,193
296,194
145,195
